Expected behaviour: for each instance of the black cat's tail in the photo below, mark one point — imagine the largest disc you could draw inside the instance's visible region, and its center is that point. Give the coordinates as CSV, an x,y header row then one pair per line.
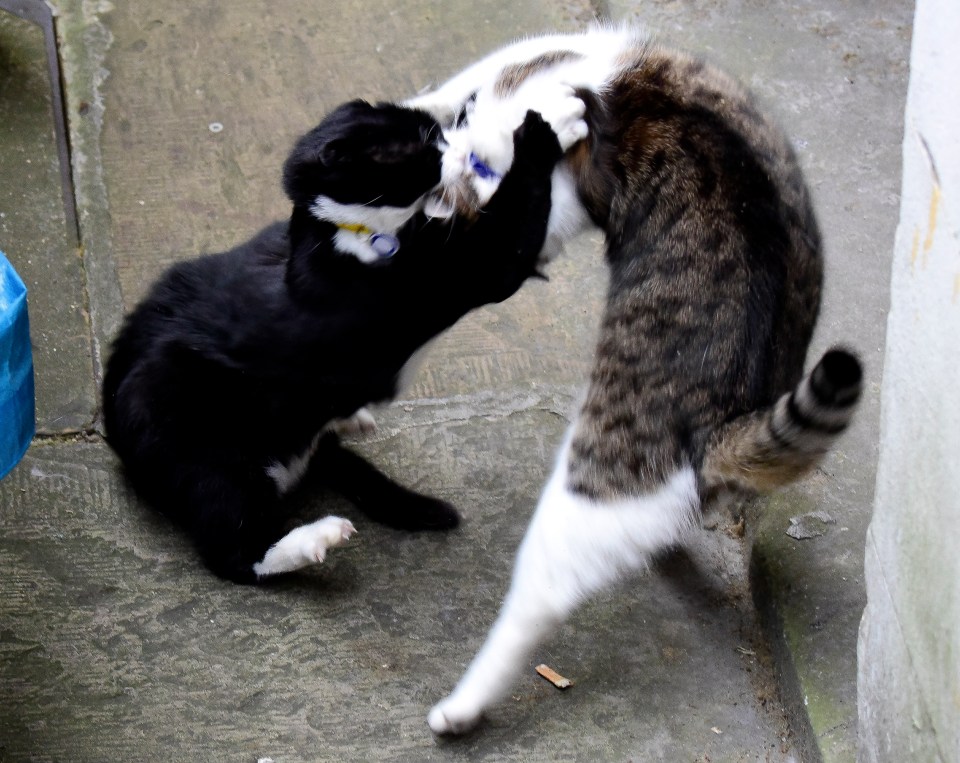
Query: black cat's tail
x,y
764,450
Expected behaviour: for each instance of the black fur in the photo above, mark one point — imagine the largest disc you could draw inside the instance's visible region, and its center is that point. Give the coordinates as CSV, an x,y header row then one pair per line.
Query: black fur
x,y
235,361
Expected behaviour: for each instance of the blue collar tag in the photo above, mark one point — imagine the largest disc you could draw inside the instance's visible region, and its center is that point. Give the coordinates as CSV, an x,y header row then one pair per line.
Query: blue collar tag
x,y
384,245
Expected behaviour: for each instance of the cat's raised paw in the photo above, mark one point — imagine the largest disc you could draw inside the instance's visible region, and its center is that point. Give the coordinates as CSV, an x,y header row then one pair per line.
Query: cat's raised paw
x,y
564,112
572,134
451,717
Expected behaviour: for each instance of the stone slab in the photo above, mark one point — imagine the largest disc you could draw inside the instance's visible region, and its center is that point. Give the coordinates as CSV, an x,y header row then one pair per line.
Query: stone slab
x,y
116,645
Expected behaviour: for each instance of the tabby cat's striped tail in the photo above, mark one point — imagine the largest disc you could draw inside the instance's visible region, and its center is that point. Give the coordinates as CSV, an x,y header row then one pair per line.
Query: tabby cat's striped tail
x,y
761,451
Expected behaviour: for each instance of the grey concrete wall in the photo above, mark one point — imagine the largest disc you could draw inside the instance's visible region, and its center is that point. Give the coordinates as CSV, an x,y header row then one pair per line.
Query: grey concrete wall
x,y
909,648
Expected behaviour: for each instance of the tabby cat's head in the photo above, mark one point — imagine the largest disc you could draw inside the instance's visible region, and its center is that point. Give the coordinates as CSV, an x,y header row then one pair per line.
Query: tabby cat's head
x,y
477,152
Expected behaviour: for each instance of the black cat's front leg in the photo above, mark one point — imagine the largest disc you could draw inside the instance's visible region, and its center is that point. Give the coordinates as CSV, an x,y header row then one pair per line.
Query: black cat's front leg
x,y
502,248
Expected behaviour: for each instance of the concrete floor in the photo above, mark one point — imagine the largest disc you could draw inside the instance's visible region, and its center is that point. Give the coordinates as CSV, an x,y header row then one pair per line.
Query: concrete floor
x,y
114,642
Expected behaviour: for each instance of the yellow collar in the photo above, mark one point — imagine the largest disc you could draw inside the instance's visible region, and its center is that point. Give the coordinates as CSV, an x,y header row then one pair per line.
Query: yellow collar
x,y
358,228
384,245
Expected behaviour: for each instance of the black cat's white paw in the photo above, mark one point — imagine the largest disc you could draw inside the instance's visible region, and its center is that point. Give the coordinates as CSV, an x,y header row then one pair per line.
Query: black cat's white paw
x,y
360,423
304,546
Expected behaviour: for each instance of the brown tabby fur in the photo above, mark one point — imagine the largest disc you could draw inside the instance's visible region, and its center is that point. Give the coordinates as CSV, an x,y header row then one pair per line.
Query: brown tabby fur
x,y
716,271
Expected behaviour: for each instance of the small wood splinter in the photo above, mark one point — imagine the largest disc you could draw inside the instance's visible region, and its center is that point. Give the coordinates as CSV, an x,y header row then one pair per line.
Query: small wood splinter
x,y
554,677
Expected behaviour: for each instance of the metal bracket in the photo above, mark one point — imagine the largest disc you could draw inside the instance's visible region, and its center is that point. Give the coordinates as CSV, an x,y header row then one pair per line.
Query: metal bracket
x,y
43,14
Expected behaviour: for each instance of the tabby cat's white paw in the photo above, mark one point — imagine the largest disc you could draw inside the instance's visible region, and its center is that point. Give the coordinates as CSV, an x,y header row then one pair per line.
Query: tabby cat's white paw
x,y
564,112
452,716
572,134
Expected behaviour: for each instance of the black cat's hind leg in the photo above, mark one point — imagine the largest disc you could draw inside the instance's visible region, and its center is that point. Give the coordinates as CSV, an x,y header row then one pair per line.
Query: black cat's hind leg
x,y
375,494
240,527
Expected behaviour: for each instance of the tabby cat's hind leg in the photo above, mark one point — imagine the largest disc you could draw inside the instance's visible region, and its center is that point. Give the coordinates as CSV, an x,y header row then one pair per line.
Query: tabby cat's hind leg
x,y
573,548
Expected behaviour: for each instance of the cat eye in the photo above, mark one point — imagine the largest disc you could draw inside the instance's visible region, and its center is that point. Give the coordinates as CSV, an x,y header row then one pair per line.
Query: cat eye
x,y
481,170
465,111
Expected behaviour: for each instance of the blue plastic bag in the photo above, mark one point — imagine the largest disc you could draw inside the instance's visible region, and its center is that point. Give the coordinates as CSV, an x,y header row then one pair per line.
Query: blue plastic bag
x,y
17,424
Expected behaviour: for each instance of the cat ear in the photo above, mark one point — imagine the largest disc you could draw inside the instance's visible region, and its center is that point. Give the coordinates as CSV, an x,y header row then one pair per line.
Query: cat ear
x,y
335,152
393,152
343,151
437,207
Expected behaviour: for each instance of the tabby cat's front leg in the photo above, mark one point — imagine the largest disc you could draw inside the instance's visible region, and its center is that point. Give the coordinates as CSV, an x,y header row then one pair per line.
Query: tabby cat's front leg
x,y
574,547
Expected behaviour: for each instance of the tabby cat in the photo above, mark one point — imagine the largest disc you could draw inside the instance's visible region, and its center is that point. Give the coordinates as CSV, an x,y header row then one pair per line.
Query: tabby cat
x,y
697,391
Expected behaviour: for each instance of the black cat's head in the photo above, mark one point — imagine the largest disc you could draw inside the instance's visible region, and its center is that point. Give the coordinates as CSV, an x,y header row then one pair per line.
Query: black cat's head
x,y
365,169
383,155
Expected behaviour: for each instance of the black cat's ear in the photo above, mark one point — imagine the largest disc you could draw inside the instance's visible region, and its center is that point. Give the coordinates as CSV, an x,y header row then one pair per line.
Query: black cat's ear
x,y
334,153
393,151
341,152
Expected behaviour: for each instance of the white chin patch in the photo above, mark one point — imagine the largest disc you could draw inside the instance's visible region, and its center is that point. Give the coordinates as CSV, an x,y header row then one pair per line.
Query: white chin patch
x,y
382,220
348,242
485,188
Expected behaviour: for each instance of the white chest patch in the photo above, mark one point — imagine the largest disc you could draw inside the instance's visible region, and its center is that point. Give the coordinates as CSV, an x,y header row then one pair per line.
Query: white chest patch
x,y
287,476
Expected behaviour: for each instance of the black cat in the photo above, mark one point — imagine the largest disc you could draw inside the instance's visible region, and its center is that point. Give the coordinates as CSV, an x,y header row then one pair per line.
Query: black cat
x,y
225,381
